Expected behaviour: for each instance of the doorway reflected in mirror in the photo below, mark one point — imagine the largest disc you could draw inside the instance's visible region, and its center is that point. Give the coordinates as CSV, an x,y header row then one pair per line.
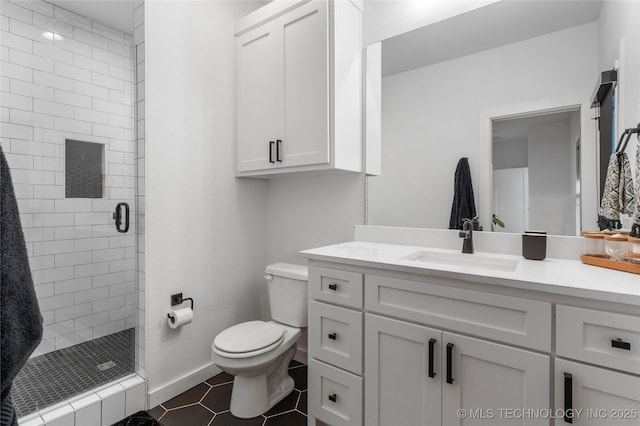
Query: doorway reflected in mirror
x,y
536,172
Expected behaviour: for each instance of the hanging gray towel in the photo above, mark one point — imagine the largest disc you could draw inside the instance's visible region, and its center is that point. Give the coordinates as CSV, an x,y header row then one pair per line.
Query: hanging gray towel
x,y
464,206
619,194
20,318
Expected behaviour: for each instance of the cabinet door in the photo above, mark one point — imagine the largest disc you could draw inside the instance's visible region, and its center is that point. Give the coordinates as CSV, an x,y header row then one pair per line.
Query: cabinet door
x,y
399,390
304,81
487,377
597,396
257,98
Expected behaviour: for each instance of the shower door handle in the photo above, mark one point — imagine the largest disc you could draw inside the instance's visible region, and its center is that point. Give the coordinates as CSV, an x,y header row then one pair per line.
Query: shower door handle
x,y
117,216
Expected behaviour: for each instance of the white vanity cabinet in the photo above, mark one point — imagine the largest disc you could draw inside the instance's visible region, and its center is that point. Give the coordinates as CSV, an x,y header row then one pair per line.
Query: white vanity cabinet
x,y
609,392
335,347
299,94
451,344
417,369
423,376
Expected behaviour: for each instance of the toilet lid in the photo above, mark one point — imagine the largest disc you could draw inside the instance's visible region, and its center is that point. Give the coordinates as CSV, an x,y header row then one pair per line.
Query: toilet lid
x,y
248,337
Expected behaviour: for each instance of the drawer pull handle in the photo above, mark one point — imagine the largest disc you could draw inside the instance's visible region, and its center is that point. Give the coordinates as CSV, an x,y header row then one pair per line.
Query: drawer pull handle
x,y
568,398
449,361
432,343
333,287
333,397
332,336
620,344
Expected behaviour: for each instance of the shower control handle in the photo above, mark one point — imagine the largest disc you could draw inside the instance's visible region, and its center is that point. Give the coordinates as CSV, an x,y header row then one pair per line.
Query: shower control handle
x,y
117,216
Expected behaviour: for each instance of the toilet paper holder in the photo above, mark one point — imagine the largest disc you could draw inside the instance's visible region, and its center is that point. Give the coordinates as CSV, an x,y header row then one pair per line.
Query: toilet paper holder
x,y
177,299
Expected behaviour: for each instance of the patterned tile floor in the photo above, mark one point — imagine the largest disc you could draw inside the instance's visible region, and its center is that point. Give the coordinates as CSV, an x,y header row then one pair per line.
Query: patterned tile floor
x,y
207,404
58,375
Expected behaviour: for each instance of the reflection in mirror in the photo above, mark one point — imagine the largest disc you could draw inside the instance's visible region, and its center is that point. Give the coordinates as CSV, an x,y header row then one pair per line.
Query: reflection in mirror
x,y
535,173
447,88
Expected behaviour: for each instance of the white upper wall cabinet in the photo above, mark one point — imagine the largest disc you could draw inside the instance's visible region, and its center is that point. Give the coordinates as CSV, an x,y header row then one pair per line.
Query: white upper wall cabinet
x,y
299,69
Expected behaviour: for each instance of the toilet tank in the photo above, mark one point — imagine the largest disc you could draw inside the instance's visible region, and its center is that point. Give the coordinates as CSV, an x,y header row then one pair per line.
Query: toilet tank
x,y
288,293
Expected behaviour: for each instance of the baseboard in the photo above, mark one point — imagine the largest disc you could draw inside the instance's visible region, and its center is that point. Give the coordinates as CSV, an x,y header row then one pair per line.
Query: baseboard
x,y
301,356
169,390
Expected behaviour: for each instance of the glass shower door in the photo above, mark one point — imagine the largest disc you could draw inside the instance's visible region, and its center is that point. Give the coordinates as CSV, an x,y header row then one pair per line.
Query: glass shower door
x,y
68,133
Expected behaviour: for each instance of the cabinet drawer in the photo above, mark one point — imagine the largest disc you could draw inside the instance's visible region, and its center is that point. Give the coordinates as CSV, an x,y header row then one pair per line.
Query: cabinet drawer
x,y
335,396
335,336
335,286
600,397
507,319
598,337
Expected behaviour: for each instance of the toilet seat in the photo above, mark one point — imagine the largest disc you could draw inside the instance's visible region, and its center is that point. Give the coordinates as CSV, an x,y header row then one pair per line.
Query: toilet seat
x,y
248,339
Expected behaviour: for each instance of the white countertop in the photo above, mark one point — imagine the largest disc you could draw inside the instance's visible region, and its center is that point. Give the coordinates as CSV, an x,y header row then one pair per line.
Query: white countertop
x,y
554,276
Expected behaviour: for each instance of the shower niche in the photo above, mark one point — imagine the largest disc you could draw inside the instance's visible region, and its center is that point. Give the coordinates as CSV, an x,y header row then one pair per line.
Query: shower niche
x,y
84,169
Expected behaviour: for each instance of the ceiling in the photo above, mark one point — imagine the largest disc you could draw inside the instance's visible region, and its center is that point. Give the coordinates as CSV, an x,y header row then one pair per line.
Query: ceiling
x,y
116,14
493,25
497,24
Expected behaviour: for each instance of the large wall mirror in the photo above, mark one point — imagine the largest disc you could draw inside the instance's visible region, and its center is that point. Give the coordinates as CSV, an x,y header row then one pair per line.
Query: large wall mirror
x,y
508,85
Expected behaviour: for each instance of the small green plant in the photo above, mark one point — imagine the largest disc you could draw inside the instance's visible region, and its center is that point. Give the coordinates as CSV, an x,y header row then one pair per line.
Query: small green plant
x,y
496,221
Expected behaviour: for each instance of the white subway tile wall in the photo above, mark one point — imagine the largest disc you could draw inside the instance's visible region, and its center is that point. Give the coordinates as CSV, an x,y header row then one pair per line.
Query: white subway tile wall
x,y
78,87
138,22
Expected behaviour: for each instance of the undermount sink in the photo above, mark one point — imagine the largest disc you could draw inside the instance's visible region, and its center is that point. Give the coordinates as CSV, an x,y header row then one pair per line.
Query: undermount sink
x,y
468,260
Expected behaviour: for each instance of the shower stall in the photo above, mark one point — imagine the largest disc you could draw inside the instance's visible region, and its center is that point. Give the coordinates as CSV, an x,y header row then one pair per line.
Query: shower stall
x,y
72,101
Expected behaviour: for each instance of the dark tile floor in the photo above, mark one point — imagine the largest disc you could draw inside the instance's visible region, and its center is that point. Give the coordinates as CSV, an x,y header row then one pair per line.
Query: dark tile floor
x,y
207,404
61,374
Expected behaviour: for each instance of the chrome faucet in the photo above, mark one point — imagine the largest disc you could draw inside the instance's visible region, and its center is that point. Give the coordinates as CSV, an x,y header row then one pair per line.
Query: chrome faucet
x,y
467,234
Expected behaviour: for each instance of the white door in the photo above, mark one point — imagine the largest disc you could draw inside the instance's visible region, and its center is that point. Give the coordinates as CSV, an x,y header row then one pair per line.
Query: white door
x,y
399,389
487,377
257,98
304,86
597,396
511,199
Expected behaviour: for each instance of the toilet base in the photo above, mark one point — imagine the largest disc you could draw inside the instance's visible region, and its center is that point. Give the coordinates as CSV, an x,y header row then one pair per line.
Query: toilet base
x,y
253,395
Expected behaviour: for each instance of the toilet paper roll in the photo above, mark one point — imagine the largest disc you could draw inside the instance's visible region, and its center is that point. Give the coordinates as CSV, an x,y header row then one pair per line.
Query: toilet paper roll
x,y
180,317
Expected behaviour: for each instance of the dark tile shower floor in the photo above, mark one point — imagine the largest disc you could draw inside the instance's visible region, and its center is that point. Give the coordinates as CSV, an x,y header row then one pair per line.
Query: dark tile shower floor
x,y
59,375
207,404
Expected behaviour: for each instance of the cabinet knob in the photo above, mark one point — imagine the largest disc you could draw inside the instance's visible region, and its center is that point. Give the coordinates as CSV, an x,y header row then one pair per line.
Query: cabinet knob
x,y
620,344
333,286
333,336
333,397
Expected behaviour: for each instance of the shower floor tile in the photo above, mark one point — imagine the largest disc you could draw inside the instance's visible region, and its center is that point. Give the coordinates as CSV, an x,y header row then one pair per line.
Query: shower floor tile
x,y
59,375
207,404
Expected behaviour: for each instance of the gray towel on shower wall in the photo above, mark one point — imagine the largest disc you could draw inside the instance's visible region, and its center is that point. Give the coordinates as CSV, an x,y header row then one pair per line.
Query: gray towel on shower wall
x,y
464,206
21,321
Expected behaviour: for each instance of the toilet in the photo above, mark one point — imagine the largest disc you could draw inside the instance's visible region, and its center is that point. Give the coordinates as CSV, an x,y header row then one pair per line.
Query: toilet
x,y
257,353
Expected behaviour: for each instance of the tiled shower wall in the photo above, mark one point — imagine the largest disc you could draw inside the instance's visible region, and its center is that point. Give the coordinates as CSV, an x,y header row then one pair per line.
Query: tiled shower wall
x,y
138,22
79,87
